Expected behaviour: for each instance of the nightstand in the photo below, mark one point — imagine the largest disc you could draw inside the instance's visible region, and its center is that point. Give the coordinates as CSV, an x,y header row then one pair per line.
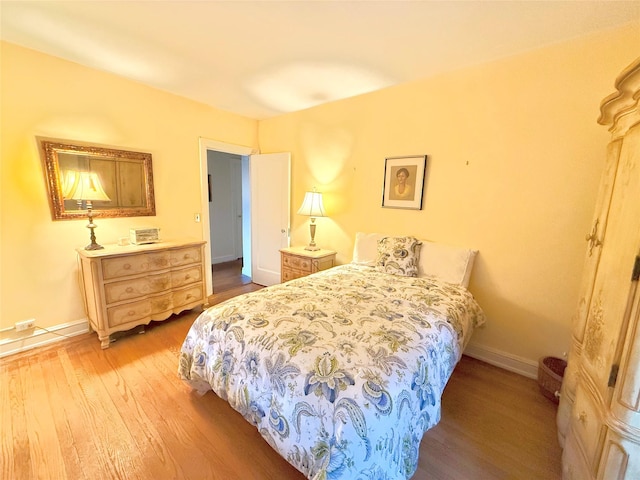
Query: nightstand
x,y
297,262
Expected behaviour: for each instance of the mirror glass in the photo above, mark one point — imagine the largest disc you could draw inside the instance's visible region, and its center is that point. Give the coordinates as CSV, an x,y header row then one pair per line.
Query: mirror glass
x,y
117,183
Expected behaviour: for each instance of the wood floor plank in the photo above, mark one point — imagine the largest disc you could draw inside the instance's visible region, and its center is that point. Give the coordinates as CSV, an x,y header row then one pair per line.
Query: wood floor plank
x,y
40,429
76,443
9,418
19,426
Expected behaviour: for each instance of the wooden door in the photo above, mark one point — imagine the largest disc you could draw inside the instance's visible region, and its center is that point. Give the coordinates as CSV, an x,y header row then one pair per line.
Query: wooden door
x,y
270,214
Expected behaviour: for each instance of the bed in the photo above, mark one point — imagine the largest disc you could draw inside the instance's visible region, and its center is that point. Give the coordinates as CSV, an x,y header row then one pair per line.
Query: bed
x,y
342,372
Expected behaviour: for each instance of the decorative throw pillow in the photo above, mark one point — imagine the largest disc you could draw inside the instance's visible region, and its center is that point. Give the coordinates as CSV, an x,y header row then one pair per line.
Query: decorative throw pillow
x,y
399,255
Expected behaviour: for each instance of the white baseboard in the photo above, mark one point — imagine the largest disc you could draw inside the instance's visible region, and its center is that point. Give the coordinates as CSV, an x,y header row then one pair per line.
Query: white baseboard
x,y
513,363
15,342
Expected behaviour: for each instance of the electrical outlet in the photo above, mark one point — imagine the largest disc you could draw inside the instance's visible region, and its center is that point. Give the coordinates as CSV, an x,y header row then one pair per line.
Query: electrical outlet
x,y
25,325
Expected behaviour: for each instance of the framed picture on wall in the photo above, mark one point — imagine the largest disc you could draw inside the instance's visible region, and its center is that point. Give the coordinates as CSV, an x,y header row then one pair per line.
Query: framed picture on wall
x,y
404,182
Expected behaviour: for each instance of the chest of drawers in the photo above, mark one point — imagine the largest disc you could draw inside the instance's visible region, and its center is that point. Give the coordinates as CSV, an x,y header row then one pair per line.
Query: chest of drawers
x,y
127,286
297,262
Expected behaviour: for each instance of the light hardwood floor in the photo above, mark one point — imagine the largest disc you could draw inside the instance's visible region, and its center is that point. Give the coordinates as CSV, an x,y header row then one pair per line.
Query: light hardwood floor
x,y
74,411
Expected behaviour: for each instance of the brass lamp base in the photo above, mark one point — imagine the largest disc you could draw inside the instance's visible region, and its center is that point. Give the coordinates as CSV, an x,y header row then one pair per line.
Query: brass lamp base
x,y
92,226
312,245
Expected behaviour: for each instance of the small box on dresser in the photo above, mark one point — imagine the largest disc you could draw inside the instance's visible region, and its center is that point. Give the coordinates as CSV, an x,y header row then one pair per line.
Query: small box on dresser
x,y
128,286
297,262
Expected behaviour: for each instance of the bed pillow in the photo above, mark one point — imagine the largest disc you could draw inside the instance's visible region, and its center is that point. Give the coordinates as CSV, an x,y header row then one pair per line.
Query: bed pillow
x,y
398,255
365,250
448,263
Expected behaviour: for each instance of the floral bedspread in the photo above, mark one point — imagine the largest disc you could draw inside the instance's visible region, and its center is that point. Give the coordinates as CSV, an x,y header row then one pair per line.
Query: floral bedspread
x,y
342,371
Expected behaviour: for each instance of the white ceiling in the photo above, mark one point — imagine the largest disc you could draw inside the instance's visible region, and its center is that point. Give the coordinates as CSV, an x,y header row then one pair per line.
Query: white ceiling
x,y
263,58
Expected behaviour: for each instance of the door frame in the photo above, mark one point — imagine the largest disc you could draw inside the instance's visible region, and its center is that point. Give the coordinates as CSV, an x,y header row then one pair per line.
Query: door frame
x,y
206,144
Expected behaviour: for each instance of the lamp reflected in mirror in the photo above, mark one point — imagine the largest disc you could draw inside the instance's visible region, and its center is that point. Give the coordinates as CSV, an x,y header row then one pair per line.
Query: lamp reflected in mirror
x,y
125,176
85,187
313,207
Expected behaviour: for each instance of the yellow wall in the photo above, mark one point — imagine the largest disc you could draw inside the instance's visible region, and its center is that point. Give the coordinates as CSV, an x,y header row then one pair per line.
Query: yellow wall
x,y
515,156
46,96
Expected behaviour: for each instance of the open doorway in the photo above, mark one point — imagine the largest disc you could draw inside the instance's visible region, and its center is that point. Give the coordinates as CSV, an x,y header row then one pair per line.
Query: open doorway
x,y
207,148
229,212
266,191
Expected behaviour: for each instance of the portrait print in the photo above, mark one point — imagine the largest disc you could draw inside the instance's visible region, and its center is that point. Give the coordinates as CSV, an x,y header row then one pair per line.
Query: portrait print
x,y
404,182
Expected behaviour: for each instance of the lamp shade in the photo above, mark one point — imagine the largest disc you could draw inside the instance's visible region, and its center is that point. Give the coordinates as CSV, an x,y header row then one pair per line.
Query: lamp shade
x,y
312,205
83,186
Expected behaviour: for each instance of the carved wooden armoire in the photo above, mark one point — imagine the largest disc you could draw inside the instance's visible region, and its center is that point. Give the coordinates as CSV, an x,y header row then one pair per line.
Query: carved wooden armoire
x,y
599,412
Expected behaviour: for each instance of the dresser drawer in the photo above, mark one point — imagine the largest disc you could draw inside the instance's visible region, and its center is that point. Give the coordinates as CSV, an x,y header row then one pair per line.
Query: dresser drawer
x,y
128,313
140,310
134,264
187,296
137,287
297,263
186,276
185,256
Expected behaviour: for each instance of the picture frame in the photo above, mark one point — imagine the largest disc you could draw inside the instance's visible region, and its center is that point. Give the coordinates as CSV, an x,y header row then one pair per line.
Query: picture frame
x,y
404,182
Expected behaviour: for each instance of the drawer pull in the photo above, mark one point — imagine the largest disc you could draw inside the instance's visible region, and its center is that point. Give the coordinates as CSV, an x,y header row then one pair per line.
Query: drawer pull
x,y
127,266
131,313
129,289
187,276
189,296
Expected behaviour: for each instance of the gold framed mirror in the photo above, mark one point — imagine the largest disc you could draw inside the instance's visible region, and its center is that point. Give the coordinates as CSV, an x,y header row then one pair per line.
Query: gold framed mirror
x,y
116,183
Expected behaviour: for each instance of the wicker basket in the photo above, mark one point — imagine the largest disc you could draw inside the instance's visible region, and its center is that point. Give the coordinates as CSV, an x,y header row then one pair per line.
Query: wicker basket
x,y
550,373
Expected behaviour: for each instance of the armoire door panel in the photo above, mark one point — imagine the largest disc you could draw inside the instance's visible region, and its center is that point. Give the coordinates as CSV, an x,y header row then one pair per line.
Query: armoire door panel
x,y
618,461
594,240
612,286
626,401
595,236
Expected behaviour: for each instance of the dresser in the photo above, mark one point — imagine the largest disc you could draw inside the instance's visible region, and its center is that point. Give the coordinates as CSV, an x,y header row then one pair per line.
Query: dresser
x,y
599,411
297,262
128,286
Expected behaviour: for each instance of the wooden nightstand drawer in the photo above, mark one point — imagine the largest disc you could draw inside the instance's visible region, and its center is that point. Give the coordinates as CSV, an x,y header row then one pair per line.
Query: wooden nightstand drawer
x,y
297,262
290,274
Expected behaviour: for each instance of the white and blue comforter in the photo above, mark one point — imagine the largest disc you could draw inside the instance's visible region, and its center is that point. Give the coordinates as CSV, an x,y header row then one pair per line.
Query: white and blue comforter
x,y
341,372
